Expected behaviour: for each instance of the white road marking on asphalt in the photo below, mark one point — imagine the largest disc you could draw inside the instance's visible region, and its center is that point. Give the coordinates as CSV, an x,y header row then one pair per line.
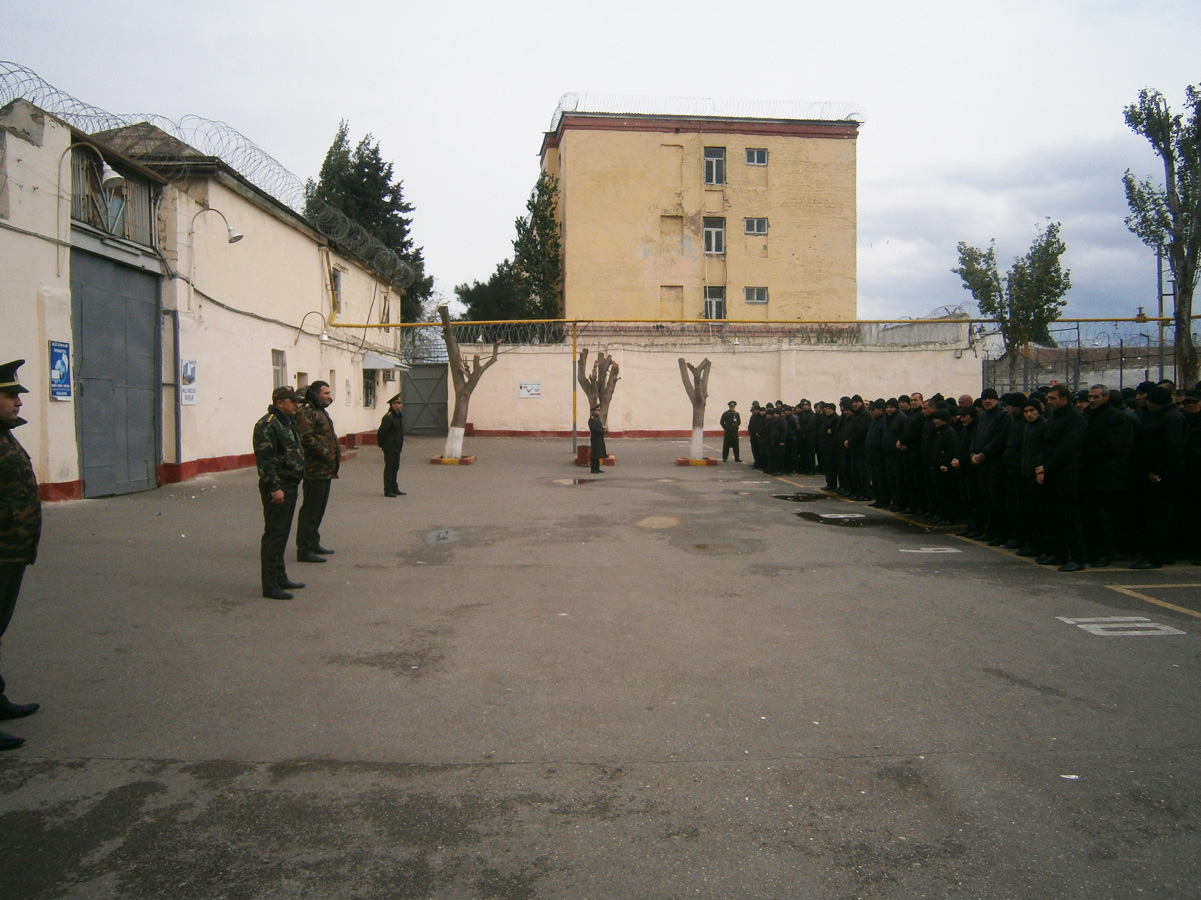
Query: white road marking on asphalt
x,y
933,550
1121,626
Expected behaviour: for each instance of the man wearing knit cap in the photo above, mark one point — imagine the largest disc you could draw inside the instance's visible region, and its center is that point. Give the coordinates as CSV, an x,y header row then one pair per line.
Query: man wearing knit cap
x,y
21,515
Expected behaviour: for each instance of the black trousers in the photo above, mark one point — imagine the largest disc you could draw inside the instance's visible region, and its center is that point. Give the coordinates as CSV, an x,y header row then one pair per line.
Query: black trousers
x,y
729,442
312,511
10,585
277,522
391,467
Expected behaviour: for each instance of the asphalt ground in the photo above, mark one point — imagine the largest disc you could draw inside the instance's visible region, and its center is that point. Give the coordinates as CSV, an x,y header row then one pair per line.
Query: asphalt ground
x,y
525,681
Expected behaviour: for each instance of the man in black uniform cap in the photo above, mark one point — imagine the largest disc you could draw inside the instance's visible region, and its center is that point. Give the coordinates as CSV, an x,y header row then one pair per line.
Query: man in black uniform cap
x,y
21,515
280,462
391,440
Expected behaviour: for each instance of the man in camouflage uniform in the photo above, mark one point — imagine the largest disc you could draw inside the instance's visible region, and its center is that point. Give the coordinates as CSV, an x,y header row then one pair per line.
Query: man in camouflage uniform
x,y
280,462
322,456
20,524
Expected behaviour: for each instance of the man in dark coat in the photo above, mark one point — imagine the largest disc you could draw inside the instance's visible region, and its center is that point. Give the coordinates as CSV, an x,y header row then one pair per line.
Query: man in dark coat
x,y
1104,460
596,435
20,524
280,463
391,439
730,422
1160,472
1189,521
754,431
988,470
1059,475
322,458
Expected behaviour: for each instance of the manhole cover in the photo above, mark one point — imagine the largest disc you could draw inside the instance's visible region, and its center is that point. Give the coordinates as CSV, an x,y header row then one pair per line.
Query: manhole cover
x,y
800,498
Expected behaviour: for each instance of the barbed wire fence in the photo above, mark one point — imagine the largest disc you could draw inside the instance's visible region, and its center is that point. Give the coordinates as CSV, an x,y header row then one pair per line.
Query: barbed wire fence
x,y
194,140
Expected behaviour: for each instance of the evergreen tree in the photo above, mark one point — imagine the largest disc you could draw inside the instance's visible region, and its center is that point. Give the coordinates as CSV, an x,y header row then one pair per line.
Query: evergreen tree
x,y
500,297
360,185
538,252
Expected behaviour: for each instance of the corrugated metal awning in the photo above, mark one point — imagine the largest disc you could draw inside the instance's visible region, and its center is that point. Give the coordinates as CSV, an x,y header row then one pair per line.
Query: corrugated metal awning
x,y
374,361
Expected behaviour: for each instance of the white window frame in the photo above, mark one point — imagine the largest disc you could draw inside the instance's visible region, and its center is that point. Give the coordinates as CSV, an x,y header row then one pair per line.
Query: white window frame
x,y
279,368
715,165
715,235
715,302
756,156
753,225
755,295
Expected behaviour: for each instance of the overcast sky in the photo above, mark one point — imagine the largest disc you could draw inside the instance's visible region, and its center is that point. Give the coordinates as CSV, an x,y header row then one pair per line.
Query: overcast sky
x,y
980,120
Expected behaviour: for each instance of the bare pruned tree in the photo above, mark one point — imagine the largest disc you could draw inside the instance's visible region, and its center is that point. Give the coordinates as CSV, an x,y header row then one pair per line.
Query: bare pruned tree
x,y
464,378
598,384
696,383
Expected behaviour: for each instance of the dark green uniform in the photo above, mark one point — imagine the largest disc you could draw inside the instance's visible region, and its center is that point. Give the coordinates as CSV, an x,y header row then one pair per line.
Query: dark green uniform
x,y
20,522
280,462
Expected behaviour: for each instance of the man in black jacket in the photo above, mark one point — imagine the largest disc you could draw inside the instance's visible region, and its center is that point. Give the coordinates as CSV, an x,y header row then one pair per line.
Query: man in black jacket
x,y
391,439
1104,459
1059,475
988,471
730,421
1160,471
596,437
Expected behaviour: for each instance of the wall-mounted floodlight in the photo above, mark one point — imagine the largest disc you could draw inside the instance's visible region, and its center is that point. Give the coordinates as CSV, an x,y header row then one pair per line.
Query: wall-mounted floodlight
x,y
323,337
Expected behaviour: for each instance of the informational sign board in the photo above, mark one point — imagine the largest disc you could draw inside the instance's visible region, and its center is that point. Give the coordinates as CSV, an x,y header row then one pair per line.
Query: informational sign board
x,y
187,382
529,390
60,371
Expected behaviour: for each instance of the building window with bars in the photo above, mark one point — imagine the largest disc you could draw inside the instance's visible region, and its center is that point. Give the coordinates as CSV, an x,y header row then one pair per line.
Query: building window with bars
x,y
715,235
715,303
755,226
369,388
756,294
715,165
279,368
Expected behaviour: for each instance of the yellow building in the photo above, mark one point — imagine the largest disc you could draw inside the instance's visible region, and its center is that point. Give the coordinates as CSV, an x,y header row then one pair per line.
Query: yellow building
x,y
690,209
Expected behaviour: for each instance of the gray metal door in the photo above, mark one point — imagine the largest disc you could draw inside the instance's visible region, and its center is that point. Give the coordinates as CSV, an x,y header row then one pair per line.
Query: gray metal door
x,y
425,398
115,313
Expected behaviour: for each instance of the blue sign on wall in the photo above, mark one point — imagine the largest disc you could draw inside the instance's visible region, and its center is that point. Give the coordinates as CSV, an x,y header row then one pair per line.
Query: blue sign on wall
x,y
60,370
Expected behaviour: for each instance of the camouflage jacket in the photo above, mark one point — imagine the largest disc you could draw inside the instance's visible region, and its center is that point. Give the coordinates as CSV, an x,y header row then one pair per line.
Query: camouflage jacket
x,y
20,508
322,453
277,451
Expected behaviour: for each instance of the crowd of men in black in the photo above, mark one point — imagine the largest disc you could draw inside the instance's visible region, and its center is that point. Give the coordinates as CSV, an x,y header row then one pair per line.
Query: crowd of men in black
x,y
1067,477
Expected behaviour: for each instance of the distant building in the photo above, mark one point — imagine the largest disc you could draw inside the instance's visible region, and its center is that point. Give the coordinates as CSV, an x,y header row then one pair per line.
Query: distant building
x,y
688,209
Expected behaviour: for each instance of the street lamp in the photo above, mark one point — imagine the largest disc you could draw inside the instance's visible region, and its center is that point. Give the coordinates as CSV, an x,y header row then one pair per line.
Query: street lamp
x,y
323,337
110,181
233,236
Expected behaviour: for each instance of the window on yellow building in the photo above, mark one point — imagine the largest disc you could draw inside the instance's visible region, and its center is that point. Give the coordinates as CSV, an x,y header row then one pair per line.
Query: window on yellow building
x,y
715,165
715,303
755,226
756,156
715,235
756,294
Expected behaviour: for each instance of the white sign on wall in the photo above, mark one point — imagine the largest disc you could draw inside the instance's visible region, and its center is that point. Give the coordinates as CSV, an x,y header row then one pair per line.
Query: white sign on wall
x,y
528,390
187,382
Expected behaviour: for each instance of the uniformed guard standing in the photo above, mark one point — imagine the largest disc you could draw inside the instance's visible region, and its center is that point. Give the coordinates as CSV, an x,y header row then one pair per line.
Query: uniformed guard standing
x,y
21,515
391,439
280,462
730,422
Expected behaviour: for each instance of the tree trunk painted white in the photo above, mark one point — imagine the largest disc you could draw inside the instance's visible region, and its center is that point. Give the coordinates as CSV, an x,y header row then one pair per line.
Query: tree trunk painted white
x,y
454,443
696,449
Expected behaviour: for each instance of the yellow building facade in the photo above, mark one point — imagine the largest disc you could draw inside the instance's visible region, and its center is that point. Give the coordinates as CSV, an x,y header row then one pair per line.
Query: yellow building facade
x,y
704,217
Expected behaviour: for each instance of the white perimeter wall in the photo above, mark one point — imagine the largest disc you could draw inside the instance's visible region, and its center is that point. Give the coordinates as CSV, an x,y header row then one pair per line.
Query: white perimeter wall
x,y
650,395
